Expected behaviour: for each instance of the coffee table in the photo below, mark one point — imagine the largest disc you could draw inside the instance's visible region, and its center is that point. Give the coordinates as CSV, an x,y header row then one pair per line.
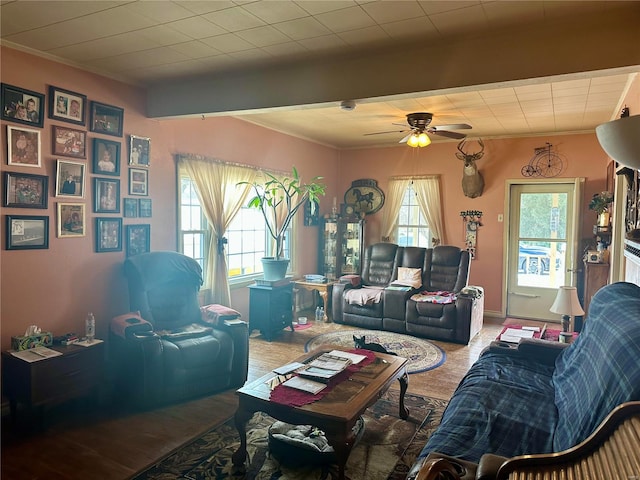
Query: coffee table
x,y
336,413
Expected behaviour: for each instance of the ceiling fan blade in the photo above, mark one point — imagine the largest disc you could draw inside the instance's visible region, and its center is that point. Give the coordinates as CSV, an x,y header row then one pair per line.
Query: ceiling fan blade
x,y
454,126
404,140
445,133
389,131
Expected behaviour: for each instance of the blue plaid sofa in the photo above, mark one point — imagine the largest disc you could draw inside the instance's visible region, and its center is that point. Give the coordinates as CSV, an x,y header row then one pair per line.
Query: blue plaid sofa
x,y
541,397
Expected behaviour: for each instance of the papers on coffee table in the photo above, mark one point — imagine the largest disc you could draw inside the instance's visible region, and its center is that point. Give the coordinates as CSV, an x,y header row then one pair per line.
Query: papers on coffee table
x,y
288,368
305,385
513,335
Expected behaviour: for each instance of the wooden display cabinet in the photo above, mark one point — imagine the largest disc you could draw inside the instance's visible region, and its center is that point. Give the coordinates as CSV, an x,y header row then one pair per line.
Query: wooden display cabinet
x,y
341,245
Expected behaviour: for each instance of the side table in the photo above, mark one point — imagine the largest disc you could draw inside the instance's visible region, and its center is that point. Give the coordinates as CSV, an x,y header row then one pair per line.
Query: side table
x,y
75,373
324,289
270,308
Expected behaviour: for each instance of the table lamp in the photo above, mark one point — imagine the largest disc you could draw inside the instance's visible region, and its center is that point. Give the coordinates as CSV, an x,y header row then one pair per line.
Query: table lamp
x,y
567,305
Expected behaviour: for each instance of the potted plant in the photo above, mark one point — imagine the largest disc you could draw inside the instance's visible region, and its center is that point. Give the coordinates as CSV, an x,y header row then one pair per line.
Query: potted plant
x,y
279,199
600,204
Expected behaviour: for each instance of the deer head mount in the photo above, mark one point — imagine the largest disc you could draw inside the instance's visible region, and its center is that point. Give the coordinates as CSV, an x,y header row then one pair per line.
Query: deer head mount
x,y
472,181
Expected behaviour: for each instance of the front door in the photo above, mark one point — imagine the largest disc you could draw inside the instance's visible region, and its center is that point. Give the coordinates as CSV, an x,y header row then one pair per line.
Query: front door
x,y
543,219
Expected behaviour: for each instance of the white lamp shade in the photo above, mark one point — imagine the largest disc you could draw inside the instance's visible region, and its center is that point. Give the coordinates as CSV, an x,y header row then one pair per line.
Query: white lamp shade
x,y
567,303
620,139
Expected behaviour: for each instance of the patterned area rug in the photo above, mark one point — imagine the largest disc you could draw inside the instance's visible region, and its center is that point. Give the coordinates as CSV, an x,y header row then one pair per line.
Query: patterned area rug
x,y
422,354
386,450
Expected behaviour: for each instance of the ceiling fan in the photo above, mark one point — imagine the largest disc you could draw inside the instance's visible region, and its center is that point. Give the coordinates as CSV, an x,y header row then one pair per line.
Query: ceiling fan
x,y
420,125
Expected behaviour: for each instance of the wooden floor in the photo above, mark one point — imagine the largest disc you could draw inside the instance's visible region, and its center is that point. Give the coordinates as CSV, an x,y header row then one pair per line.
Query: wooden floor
x,y
80,443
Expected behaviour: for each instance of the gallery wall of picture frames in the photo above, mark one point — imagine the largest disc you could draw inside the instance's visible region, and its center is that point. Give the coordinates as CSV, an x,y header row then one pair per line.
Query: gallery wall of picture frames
x,y
87,178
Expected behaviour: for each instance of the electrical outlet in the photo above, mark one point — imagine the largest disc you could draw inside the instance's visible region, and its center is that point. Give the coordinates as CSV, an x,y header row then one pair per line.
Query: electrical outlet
x,y
500,217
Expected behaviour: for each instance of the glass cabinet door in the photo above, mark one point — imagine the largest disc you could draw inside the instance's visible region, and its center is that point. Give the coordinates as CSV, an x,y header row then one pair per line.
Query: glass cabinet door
x,y
329,253
351,245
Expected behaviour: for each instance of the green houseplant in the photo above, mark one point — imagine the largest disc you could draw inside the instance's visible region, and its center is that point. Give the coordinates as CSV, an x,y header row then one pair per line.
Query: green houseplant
x,y
600,204
272,195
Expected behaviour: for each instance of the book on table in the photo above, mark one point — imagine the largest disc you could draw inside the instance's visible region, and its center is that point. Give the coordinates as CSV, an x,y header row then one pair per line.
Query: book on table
x,y
305,384
328,365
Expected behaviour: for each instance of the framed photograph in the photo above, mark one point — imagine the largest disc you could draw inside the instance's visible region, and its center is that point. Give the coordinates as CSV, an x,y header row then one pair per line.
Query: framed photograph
x,y
22,190
131,207
70,179
26,232
106,193
139,151
67,106
71,220
23,147
106,119
69,142
145,207
106,157
22,106
138,238
138,182
108,235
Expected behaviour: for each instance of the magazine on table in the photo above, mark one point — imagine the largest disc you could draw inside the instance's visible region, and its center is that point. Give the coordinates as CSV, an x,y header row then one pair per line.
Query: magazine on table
x,y
304,384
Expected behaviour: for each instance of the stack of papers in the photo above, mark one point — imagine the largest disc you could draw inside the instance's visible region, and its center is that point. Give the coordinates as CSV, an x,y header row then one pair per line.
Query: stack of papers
x,y
305,385
36,354
513,335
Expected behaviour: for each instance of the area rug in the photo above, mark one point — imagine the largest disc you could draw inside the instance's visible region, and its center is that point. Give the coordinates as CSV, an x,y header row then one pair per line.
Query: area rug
x,y
422,354
386,450
297,327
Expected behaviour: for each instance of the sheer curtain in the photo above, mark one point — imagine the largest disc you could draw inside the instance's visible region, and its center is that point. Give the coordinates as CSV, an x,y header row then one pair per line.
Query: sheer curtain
x,y
428,193
395,194
221,200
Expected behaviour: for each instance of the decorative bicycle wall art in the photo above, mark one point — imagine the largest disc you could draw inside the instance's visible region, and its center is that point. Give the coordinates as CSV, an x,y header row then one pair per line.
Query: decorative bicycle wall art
x,y
544,163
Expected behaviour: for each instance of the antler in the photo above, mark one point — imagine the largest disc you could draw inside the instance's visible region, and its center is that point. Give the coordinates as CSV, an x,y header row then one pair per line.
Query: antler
x,y
470,156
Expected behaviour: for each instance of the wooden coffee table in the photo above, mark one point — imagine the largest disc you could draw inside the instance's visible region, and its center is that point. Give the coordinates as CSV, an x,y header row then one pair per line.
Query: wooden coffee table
x,y
336,413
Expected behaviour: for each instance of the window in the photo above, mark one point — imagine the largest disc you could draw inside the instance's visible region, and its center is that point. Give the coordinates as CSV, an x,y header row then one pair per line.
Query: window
x,y
413,230
247,237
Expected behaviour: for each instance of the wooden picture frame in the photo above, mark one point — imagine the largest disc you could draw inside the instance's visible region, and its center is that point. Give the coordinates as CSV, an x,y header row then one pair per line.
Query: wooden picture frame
x,y
106,195
72,220
106,119
138,182
27,232
138,239
108,234
130,207
23,147
144,208
69,142
23,190
106,157
67,106
22,106
139,151
70,179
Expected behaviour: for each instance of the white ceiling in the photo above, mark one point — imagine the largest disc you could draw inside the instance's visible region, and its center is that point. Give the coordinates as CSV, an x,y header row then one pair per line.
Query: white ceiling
x,y
147,42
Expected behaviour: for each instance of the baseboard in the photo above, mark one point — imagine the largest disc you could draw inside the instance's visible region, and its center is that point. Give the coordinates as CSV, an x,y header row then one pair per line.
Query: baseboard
x,y
494,314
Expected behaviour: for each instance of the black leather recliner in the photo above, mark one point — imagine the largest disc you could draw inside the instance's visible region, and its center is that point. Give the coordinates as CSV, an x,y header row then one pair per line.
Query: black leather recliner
x,y
442,268
170,354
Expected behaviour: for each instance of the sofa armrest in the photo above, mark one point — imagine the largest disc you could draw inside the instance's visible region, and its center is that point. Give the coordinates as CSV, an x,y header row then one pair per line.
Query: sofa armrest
x,y
542,351
488,466
337,300
438,466
394,302
239,332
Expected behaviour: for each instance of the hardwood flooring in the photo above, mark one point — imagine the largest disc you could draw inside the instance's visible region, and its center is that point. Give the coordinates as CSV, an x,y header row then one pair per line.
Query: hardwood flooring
x,y
102,443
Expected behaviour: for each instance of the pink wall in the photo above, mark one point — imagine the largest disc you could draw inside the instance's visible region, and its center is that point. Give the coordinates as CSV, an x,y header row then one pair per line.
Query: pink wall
x,y
55,288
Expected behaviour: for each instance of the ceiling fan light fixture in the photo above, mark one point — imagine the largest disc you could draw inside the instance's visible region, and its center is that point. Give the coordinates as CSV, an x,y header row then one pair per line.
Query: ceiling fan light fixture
x,y
423,140
413,141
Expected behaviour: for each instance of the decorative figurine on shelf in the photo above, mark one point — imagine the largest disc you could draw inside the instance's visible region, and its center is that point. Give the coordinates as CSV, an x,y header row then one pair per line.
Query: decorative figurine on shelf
x,y
472,220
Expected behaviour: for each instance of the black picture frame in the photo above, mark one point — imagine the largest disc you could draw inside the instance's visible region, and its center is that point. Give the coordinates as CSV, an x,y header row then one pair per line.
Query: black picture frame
x,y
27,232
106,119
138,182
108,234
138,239
311,213
106,195
130,207
144,207
106,157
67,106
68,142
16,105
24,190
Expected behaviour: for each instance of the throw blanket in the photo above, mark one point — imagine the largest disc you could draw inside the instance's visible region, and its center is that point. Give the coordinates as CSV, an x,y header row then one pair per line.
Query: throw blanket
x,y
364,296
441,297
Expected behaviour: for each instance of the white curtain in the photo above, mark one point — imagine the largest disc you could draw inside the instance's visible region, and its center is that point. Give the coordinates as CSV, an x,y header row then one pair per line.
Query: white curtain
x,y
395,194
221,199
428,195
